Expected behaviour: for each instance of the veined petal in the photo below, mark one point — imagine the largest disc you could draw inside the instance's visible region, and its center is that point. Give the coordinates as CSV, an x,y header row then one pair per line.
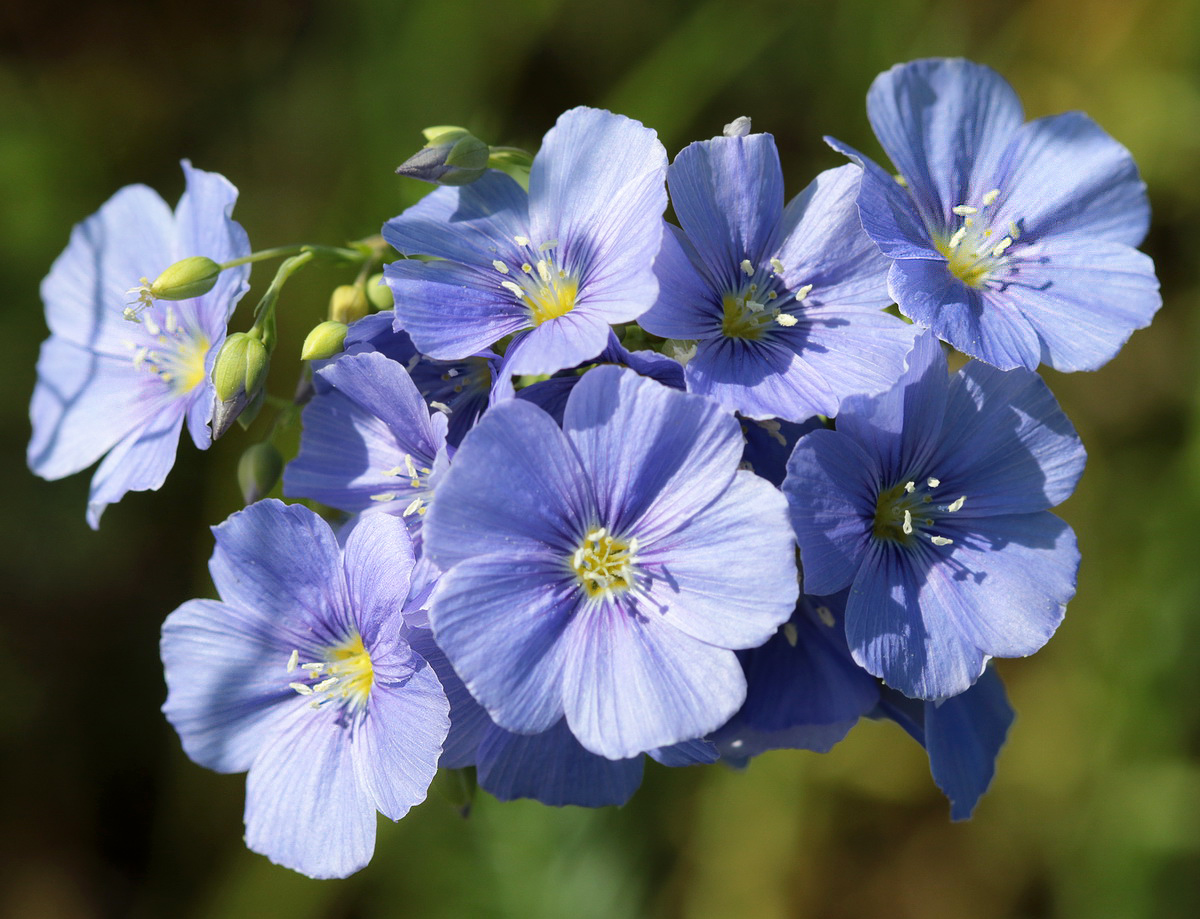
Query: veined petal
x,y
552,767
557,344
226,672
140,462
946,124
469,721
1064,175
656,456
728,195
500,620
305,807
687,306
632,683
378,563
205,226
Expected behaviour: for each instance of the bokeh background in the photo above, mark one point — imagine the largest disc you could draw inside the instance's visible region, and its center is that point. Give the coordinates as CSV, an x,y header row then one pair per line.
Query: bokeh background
x,y
307,106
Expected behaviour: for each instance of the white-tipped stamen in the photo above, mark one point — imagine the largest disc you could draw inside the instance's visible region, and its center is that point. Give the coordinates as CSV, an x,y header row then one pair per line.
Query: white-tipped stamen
x,y
803,292
934,483
777,266
998,249
910,487
787,320
907,527
499,266
514,288
303,688
747,268
325,684
957,238
790,633
413,507
385,497
990,198
293,659
957,504
826,615
548,245
440,407
521,240
940,540
964,210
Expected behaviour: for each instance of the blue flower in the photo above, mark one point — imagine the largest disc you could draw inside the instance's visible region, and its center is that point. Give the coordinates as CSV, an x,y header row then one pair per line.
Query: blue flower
x,y
369,441
1013,242
605,571
784,304
109,384
303,675
556,267
931,503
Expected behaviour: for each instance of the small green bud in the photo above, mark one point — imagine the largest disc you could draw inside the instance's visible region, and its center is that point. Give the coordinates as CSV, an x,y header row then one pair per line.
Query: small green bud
x,y
324,341
188,278
348,303
238,377
452,156
379,293
258,470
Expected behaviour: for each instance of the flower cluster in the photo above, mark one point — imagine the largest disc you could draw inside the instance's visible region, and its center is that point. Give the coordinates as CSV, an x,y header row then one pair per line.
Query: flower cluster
x,y
607,487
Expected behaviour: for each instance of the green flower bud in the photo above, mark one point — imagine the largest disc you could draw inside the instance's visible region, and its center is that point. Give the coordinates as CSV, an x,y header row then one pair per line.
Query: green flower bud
x,y
324,341
258,470
238,377
379,293
188,278
348,304
452,156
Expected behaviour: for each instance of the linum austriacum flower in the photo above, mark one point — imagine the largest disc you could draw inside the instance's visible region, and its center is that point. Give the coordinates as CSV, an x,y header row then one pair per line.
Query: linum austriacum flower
x,y
107,384
305,675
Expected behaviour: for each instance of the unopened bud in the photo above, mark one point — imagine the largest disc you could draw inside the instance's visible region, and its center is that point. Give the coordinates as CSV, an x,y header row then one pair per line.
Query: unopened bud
x,y
379,293
324,341
348,303
238,377
258,470
452,156
188,278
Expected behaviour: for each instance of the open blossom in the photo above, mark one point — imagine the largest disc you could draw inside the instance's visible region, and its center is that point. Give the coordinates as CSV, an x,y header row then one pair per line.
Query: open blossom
x,y
556,267
931,503
120,378
303,675
784,304
1012,241
605,572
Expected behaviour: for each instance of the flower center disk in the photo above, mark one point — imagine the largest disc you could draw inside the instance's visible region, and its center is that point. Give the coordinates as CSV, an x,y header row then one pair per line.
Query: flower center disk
x,y
604,563
346,675
545,289
975,251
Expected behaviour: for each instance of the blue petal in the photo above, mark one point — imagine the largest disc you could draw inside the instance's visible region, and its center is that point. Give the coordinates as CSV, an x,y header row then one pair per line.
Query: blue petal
x,y
469,721
831,486
396,745
140,462
500,619
553,768
728,576
946,124
1006,444
687,306
977,322
515,485
685,753
226,673
205,226
964,735
912,645
728,195
738,743
305,807
378,564
284,561
632,683
656,456
471,224
557,344
1064,175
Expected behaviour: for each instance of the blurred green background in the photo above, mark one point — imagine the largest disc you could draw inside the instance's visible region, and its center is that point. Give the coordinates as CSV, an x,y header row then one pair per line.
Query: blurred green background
x,y
308,106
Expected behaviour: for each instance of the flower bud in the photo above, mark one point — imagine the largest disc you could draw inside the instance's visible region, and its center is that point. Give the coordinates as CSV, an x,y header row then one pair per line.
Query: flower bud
x,y
348,303
452,156
258,470
324,341
238,377
379,293
188,278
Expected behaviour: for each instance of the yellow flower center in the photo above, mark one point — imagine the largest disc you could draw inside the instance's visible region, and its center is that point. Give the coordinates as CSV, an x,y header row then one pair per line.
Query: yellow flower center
x,y
346,675
603,563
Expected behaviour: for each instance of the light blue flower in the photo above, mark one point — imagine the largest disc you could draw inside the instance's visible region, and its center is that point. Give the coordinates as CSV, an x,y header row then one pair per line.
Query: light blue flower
x,y
1013,242
108,384
303,675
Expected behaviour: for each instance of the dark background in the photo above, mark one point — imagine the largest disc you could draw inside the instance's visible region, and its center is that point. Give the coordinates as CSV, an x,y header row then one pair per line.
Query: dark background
x,y
307,107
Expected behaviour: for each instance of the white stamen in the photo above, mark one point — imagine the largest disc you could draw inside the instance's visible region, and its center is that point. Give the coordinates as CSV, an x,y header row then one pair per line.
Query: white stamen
x,y
325,684
998,249
964,210
521,240
293,659
409,466
990,198
527,268
513,288
172,321
803,292
957,505
957,238
777,266
451,373
901,181
440,407
934,483
543,271
313,668
384,498
414,507
771,295
301,688
940,540
790,633
499,266
910,487
1014,231
747,268
787,320
548,245
826,616
907,527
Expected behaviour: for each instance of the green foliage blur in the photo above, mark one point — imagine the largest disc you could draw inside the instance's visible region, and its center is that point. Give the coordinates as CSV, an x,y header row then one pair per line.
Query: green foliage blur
x,y
308,106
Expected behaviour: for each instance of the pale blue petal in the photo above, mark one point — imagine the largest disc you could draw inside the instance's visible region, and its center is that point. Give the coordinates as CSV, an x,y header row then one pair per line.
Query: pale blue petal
x,y
469,721
205,226
305,807
631,683
557,343
759,379
138,463
687,306
686,753
378,563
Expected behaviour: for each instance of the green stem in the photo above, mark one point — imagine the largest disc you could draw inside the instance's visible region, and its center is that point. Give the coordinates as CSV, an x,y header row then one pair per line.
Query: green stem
x,y
333,252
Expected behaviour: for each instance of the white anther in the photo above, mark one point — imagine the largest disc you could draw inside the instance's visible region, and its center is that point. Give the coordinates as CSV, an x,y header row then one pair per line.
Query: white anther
x,y
139,357
826,616
907,527
413,507
964,210
301,688
440,407
172,321
739,127
527,268
998,249
293,659
521,240
451,373
777,266
990,198
803,292
325,684
934,483
787,320
499,266
940,540
151,325
131,314
409,466
910,487
957,238
957,505
548,245
1014,231
790,633
771,295
513,288
312,668
747,268
384,498
901,181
